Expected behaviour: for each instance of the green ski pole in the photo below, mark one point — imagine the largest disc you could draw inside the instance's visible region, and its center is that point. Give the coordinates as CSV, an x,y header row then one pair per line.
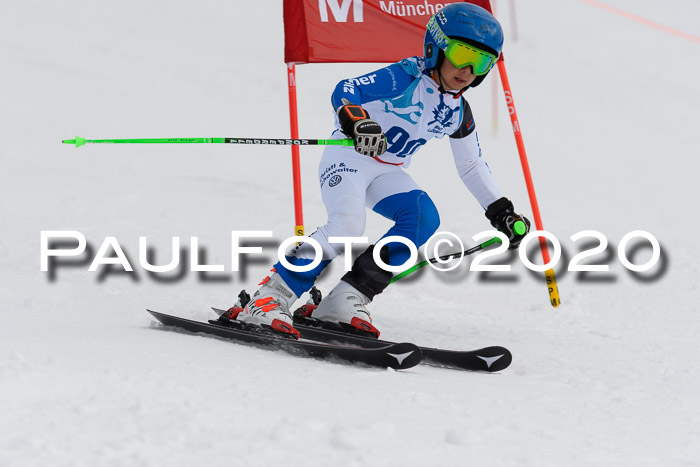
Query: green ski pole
x,y
78,141
519,228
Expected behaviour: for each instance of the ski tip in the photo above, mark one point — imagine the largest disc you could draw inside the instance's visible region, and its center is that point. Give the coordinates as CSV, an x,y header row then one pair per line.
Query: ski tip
x,y
161,318
155,314
402,356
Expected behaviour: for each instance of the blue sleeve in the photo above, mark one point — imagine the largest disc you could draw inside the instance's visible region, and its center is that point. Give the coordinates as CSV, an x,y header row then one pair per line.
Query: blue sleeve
x,y
384,83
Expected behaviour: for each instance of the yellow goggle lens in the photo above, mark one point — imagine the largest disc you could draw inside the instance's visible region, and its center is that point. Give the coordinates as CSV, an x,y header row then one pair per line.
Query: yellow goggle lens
x,y
461,55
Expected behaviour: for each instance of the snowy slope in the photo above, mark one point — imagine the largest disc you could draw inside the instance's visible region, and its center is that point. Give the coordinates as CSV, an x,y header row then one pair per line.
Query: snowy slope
x,y
611,377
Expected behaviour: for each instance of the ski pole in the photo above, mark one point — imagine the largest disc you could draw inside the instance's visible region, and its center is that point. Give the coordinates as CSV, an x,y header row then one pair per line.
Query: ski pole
x,y
422,264
78,141
519,228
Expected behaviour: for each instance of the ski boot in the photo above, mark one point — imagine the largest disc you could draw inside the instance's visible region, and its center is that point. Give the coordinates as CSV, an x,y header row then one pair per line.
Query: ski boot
x,y
343,310
268,309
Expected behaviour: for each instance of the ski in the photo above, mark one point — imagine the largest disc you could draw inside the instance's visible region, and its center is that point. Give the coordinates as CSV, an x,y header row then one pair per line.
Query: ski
x,y
397,356
488,359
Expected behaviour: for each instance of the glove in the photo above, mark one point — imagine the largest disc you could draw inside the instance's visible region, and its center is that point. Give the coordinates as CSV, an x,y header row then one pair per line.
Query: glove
x,y
502,217
367,134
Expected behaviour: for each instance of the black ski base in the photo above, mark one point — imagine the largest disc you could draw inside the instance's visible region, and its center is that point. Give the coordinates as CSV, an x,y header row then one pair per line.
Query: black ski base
x,y
397,356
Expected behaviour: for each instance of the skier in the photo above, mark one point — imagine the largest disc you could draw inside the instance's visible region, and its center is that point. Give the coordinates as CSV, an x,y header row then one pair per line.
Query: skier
x,y
390,113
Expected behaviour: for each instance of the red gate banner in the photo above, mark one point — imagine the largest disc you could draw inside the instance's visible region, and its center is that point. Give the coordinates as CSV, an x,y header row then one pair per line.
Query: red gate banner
x,y
329,31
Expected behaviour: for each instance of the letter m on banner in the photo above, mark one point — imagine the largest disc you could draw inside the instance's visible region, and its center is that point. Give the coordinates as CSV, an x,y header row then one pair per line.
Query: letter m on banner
x,y
340,10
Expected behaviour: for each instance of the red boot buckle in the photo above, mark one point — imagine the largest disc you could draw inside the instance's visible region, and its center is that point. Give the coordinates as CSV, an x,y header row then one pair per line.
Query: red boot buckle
x,y
363,325
281,326
233,312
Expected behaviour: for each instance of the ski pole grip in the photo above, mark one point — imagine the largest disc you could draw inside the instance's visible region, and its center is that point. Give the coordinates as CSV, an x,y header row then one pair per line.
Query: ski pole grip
x,y
337,142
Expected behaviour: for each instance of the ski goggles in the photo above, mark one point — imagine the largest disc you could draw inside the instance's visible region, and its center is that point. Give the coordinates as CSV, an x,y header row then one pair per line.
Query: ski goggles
x,y
462,55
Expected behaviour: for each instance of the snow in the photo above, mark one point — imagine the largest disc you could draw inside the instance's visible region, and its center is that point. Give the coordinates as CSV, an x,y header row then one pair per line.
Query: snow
x,y
608,114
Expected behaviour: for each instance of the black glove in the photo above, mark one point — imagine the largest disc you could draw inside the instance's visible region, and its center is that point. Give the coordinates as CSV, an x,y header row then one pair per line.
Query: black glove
x,y
502,217
368,135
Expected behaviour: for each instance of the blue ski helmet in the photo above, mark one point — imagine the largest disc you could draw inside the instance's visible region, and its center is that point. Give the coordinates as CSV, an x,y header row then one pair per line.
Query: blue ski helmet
x,y
468,23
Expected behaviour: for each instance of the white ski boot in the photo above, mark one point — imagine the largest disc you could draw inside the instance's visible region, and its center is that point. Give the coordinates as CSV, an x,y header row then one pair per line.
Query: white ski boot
x,y
344,308
269,307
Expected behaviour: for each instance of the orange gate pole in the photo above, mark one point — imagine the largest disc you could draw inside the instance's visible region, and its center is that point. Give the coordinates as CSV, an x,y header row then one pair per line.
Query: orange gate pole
x,y
296,172
549,274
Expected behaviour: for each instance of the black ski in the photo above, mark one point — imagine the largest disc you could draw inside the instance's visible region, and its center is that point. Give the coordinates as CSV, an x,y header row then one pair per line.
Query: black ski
x,y
397,356
489,359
